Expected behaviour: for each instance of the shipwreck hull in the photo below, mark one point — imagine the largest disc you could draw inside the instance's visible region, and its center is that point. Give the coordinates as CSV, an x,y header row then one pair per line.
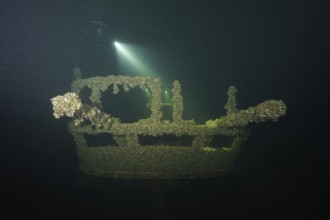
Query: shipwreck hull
x,y
156,161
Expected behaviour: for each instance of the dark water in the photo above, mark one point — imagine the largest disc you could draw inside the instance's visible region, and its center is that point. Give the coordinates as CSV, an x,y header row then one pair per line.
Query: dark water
x,y
267,49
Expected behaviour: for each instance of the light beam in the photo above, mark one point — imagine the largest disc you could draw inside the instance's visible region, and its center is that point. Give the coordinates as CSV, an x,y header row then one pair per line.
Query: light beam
x,y
130,59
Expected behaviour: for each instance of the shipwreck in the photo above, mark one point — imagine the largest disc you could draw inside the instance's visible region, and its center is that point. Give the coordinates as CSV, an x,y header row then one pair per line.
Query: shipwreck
x,y
129,157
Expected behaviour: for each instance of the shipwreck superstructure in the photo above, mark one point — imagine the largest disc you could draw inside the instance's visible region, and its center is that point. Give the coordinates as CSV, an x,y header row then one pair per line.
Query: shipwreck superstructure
x,y
129,157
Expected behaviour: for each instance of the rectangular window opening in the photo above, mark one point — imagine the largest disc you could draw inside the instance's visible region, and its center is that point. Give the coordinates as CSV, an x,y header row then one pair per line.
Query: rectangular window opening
x,y
221,141
100,140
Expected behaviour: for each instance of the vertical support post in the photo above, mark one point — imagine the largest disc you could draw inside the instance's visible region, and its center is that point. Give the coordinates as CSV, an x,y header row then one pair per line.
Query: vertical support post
x,y
177,102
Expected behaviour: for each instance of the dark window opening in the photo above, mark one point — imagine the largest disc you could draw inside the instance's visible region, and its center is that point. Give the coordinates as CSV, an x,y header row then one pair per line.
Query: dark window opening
x,y
84,95
221,141
100,140
130,106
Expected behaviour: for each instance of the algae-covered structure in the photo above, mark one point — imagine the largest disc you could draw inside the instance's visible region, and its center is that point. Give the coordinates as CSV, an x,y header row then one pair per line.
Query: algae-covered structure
x,y
129,156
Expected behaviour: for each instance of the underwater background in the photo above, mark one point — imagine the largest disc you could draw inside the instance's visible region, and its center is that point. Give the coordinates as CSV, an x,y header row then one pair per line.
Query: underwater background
x,y
266,49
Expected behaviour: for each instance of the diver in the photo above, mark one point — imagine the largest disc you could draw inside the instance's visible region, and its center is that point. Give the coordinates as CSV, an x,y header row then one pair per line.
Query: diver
x,y
99,27
97,30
